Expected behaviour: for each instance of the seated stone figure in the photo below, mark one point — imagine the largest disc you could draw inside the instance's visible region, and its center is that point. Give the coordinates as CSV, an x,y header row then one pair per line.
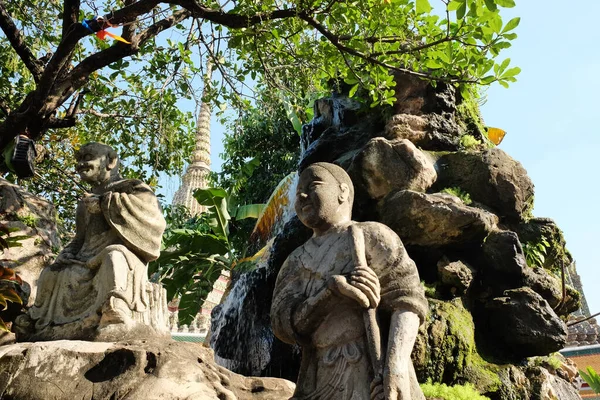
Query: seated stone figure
x,y
97,288
350,297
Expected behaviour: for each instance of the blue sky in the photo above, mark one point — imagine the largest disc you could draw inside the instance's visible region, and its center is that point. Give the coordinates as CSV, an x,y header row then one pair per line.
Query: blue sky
x,y
550,119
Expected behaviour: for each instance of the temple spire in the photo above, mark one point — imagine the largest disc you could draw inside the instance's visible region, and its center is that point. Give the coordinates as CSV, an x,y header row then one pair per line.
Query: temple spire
x,y
196,175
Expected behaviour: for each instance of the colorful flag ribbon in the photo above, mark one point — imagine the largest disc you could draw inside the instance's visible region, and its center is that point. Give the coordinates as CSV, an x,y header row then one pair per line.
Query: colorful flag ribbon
x,y
102,33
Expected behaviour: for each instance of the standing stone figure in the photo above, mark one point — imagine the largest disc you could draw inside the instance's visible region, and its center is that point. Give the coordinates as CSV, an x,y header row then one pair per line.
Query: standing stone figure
x,y
329,290
97,288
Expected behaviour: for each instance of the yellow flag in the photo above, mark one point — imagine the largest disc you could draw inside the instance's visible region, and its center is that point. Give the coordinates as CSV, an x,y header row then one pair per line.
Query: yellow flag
x,y
495,135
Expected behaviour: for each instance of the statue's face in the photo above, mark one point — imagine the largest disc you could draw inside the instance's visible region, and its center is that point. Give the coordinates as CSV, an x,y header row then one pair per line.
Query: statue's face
x,y
93,166
318,199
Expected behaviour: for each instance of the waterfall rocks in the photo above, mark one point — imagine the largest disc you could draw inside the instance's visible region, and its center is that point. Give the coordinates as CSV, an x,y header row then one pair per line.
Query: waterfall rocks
x,y
464,216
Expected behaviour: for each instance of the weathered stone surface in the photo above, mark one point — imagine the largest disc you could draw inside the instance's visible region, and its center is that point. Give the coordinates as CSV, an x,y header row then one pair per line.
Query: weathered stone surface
x,y
544,284
383,166
537,229
456,275
33,217
504,256
524,325
546,386
505,263
424,114
490,177
434,219
338,127
97,288
136,370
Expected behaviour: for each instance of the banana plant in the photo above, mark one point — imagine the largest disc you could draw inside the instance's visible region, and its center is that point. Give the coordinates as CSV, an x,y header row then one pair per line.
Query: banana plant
x,y
196,252
592,378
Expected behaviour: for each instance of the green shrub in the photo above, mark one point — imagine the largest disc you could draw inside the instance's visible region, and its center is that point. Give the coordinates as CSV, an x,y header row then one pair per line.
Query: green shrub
x,y
456,392
458,192
469,142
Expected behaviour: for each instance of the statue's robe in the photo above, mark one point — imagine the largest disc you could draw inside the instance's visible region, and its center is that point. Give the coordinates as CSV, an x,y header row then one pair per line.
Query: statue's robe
x,y
111,250
335,359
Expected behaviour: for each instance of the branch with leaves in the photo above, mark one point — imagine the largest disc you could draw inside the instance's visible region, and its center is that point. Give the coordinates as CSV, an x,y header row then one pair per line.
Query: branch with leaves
x,y
309,44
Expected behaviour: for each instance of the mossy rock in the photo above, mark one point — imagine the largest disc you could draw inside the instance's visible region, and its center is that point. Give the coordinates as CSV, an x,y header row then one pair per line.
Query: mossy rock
x,y
445,350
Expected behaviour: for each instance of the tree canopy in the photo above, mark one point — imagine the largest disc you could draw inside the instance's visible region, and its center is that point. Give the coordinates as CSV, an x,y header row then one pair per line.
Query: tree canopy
x,y
54,76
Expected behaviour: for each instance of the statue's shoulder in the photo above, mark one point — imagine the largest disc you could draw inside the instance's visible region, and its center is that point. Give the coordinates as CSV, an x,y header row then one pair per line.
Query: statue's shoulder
x,y
373,228
129,186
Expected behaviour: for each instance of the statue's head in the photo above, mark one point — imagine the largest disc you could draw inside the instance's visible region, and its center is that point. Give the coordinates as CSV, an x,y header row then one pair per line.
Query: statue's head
x,y
97,163
324,197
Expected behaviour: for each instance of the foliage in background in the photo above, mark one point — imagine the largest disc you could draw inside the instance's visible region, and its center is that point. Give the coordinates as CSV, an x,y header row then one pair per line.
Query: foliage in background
x,y
458,192
536,252
196,250
265,134
457,392
592,378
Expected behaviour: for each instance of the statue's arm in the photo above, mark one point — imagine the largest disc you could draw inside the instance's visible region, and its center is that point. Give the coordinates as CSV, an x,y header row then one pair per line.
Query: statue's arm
x,y
404,327
309,314
75,245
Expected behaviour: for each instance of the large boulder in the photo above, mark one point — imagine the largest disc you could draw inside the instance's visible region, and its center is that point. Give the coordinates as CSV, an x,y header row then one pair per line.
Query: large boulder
x,y
35,218
445,349
545,231
434,219
504,257
137,370
522,324
490,177
383,166
424,114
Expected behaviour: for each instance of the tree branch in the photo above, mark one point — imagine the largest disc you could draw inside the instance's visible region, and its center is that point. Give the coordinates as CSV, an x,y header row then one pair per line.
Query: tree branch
x,y
99,114
78,76
16,39
53,122
231,20
70,15
333,39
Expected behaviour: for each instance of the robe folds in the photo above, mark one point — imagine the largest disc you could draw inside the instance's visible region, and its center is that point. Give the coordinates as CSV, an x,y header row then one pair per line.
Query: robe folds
x,y
335,359
110,253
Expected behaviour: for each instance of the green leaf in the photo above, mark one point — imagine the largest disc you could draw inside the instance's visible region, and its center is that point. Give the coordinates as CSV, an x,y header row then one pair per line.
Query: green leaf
x,y
353,90
423,6
512,24
505,3
455,4
511,72
491,5
495,22
461,11
215,199
249,211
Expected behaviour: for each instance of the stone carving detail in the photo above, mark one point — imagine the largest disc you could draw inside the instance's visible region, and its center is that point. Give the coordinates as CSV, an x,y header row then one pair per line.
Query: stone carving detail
x,y
97,287
341,292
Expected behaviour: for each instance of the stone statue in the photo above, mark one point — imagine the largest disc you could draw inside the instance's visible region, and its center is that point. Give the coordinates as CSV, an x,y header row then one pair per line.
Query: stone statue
x,y
97,288
350,297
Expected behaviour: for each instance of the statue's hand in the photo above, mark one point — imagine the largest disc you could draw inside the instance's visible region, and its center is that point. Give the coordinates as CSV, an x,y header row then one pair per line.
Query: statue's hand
x,y
377,391
396,385
366,280
339,284
92,203
62,260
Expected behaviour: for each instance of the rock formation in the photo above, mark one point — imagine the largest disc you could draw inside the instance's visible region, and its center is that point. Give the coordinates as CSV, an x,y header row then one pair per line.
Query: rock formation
x,y
467,223
134,370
